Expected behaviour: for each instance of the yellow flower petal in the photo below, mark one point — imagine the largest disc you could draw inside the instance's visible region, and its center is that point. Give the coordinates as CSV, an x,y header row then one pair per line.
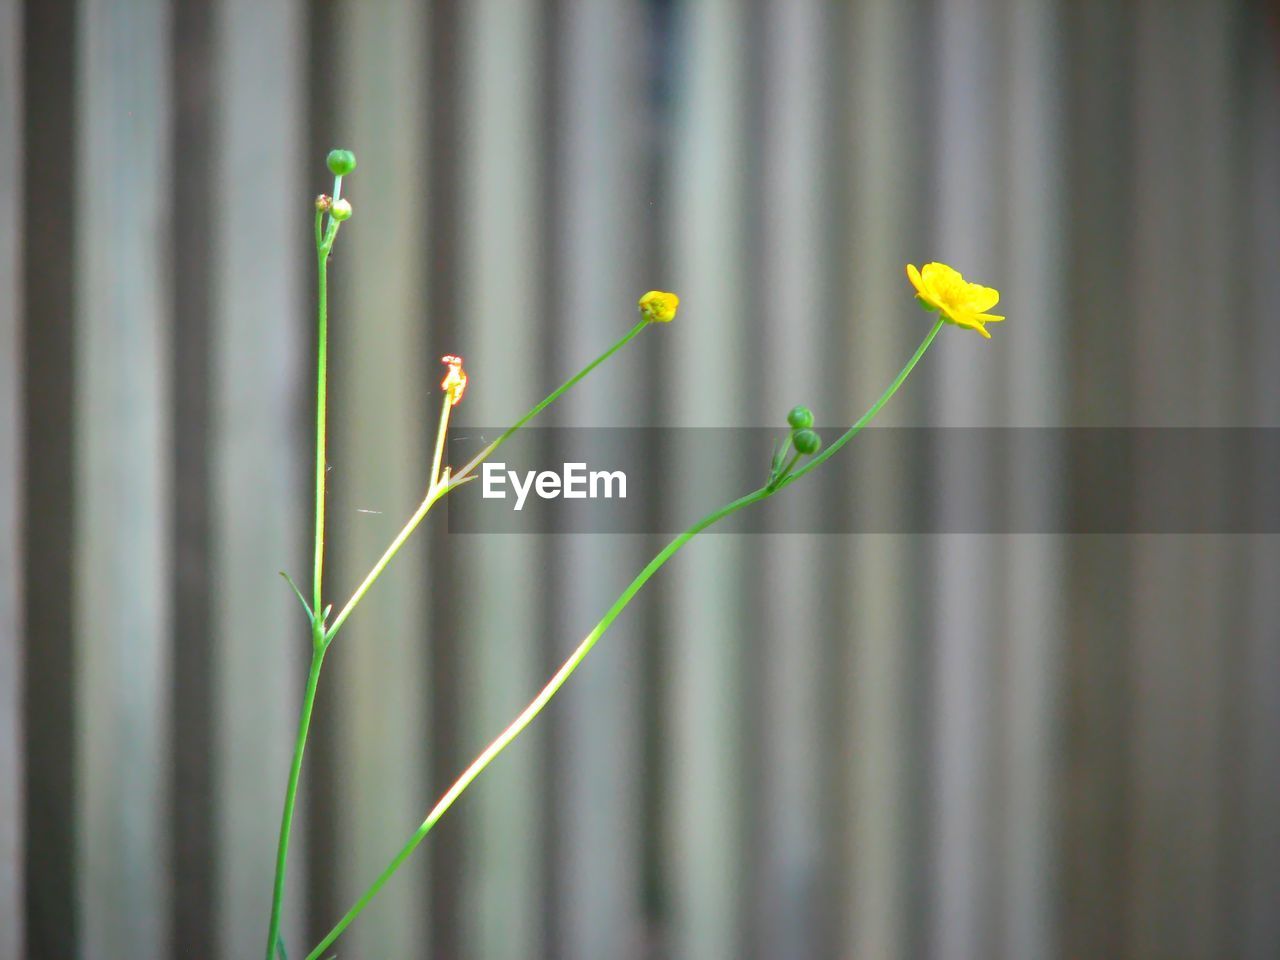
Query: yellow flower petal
x,y
969,322
982,298
937,274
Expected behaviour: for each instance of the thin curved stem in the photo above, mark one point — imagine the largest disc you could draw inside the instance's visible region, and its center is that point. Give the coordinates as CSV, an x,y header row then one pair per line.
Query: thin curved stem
x,y
441,489
567,669
535,707
546,401
435,493
867,417
290,800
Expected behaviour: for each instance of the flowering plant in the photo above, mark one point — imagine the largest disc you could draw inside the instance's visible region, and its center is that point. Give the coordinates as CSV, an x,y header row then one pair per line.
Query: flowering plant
x,y
938,287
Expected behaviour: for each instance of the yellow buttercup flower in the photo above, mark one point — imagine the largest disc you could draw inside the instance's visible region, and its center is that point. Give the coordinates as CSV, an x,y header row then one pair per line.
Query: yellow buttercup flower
x,y
941,288
658,306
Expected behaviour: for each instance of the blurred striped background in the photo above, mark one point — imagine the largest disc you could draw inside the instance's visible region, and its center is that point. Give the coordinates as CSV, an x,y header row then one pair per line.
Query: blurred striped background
x,y
870,747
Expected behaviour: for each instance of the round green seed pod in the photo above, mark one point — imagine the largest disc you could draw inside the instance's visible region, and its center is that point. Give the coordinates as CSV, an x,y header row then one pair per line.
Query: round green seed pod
x,y
341,162
341,210
806,441
800,417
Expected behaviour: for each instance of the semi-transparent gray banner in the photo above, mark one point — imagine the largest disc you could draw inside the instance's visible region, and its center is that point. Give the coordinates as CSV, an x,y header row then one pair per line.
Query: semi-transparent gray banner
x,y
886,480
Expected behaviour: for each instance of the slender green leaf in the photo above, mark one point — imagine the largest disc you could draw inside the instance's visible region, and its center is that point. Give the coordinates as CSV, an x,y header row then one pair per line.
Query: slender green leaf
x,y
298,593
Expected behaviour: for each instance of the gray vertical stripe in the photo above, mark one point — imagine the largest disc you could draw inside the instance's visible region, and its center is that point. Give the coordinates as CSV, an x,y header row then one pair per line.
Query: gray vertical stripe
x,y
122,404
791,302
505,310
261,490
605,114
881,671
382,431
705,698
12,764
967,201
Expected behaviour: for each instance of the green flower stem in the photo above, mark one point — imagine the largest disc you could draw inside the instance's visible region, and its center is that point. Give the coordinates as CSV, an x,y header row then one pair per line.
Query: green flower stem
x,y
551,398
544,697
324,244
534,708
441,432
435,493
775,482
867,417
322,376
290,799
441,487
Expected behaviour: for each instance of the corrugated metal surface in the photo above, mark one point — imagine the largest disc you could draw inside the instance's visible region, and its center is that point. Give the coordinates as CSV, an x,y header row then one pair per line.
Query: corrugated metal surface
x,y
883,745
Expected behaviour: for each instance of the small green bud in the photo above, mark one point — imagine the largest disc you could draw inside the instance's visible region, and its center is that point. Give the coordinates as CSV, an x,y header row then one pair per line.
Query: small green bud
x,y
800,417
341,210
341,162
806,441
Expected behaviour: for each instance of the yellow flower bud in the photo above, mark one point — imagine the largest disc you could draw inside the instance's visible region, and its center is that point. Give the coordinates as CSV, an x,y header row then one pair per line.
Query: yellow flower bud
x,y
658,306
